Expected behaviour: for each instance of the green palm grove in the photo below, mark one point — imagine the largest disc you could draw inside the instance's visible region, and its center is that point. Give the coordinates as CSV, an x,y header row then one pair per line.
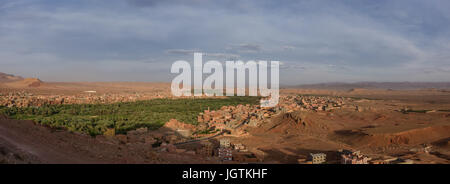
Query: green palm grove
x,y
95,119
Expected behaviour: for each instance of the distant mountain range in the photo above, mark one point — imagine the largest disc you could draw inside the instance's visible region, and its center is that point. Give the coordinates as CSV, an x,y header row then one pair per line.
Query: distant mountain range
x,y
34,82
377,85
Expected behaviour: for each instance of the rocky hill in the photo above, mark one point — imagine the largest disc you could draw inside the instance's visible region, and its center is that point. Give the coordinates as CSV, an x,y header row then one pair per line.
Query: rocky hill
x,y
17,81
9,78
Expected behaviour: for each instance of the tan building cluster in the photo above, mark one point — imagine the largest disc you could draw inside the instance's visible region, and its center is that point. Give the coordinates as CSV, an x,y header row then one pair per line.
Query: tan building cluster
x,y
23,99
320,103
350,157
231,117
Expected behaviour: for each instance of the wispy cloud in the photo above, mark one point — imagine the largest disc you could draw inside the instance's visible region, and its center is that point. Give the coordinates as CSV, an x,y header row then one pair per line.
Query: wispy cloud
x,y
182,51
245,48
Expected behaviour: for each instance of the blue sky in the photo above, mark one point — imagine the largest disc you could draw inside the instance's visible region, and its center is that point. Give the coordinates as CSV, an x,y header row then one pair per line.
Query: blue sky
x,y
138,40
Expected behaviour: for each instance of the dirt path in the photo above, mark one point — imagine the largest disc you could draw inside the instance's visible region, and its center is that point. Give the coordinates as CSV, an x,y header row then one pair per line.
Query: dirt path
x,y
202,139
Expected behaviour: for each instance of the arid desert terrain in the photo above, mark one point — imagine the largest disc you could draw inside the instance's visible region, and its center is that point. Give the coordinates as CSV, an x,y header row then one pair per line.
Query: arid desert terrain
x,y
356,125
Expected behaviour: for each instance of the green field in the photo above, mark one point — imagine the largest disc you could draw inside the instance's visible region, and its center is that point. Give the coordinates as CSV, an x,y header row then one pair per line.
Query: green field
x,y
95,119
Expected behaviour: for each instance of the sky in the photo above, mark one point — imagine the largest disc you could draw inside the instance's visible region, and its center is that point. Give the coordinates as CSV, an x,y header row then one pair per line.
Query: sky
x,y
315,41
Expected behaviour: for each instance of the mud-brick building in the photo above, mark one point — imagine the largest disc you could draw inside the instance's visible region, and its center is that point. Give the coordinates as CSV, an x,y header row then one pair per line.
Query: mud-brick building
x,y
225,154
350,157
318,158
206,149
224,143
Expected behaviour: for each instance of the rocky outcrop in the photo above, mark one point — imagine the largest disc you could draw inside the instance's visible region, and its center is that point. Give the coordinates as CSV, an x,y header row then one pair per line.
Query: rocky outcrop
x,y
181,128
9,78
